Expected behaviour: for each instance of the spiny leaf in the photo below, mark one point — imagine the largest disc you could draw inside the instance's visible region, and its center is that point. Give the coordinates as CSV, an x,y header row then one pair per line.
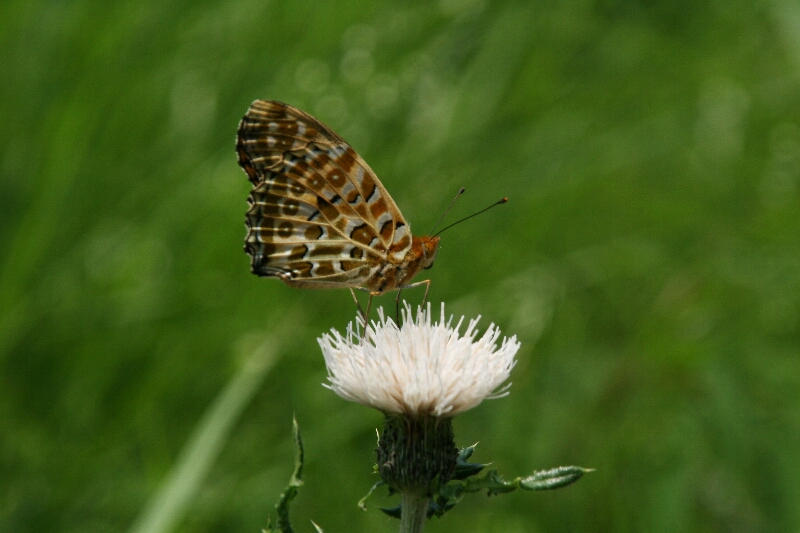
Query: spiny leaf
x,y
464,469
362,503
554,478
465,480
282,507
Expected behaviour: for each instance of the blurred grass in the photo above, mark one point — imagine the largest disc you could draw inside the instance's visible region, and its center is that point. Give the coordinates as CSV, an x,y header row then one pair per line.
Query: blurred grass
x,y
648,257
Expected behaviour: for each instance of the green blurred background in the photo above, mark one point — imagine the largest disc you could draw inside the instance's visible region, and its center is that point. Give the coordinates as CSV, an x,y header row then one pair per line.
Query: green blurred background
x,y
647,259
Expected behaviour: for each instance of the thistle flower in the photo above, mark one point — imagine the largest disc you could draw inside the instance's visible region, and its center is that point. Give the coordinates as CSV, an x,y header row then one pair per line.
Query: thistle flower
x,y
421,368
420,375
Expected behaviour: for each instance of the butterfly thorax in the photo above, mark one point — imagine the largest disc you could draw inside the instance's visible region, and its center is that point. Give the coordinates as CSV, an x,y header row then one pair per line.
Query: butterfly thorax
x,y
395,275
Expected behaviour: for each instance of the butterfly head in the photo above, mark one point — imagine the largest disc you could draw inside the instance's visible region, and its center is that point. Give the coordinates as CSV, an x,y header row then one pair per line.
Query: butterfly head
x,y
430,247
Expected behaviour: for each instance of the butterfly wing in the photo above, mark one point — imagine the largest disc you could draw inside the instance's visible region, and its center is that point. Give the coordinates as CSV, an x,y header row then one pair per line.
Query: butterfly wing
x,y
318,217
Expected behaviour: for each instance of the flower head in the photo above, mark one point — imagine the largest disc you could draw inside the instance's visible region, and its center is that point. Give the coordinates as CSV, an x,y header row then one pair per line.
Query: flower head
x,y
421,368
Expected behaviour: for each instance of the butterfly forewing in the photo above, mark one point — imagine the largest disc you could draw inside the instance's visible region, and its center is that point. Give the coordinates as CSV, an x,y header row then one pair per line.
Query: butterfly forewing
x,y
318,217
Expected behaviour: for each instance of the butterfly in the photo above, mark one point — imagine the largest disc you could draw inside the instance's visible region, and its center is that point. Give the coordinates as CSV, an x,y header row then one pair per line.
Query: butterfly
x,y
319,217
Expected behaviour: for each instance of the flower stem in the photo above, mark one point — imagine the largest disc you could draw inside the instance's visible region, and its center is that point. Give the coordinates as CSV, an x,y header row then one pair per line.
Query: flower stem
x,y
415,510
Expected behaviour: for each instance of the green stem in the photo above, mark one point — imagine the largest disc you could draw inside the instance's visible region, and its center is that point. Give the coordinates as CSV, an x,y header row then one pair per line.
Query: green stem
x,y
415,510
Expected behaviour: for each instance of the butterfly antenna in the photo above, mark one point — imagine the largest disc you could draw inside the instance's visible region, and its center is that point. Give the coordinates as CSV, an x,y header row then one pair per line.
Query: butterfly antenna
x,y
460,192
498,202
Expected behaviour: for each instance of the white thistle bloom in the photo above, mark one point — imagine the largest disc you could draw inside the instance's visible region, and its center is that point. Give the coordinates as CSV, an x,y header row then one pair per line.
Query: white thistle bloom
x,y
421,368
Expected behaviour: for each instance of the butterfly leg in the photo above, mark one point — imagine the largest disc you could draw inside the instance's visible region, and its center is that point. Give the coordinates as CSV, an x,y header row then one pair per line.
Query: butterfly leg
x,y
425,282
397,308
358,307
366,315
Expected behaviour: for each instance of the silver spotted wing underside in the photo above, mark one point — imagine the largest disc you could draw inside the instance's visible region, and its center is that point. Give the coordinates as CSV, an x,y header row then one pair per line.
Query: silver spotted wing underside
x,y
318,216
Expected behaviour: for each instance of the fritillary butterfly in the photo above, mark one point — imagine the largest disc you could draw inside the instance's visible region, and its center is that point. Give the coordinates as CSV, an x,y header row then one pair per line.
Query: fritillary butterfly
x,y
319,217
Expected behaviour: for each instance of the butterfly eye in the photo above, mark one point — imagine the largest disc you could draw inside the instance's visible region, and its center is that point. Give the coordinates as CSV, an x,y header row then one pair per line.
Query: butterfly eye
x,y
427,267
